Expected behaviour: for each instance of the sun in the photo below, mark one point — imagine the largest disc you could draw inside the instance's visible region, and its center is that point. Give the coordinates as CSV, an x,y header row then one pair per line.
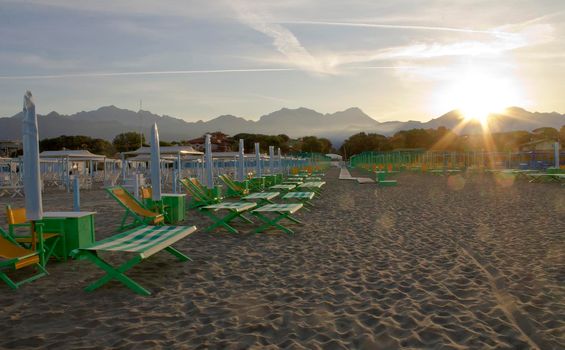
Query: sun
x,y
477,94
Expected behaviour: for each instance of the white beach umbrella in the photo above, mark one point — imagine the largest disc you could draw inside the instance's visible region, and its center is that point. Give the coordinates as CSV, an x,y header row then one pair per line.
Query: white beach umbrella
x,y
556,154
155,164
241,162
272,159
208,162
257,160
32,175
279,159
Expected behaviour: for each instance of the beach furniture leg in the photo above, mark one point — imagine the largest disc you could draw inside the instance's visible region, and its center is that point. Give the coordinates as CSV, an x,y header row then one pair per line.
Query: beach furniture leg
x,y
15,285
268,222
224,221
178,254
115,273
245,219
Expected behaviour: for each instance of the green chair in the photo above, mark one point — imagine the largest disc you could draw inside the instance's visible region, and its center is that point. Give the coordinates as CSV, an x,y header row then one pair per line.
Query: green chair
x,y
135,210
234,189
199,196
14,257
17,219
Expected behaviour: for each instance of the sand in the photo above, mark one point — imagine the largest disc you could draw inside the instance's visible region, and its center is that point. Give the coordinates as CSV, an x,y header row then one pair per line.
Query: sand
x,y
449,263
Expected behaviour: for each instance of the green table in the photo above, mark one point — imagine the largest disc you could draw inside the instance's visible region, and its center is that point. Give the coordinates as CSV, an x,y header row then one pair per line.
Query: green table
x,y
175,207
78,226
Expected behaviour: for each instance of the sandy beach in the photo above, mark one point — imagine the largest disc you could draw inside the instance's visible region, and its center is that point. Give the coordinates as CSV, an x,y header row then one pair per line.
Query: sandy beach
x,y
457,262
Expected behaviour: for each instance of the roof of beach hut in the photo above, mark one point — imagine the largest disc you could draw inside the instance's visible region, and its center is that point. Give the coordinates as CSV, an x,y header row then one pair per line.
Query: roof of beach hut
x,y
72,154
182,150
147,158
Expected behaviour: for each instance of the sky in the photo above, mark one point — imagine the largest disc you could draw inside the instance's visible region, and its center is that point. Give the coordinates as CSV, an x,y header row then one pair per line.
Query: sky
x,y
198,59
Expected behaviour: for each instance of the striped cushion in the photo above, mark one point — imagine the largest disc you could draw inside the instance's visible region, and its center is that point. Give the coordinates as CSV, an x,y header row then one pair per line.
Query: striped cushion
x,y
283,187
235,206
317,184
262,195
300,195
290,208
146,240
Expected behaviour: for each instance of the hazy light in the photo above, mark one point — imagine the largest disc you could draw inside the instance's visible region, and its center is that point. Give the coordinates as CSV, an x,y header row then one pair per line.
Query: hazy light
x,y
477,93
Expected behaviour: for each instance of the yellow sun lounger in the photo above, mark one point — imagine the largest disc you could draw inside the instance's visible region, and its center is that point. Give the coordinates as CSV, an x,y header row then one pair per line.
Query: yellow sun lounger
x,y
134,209
14,257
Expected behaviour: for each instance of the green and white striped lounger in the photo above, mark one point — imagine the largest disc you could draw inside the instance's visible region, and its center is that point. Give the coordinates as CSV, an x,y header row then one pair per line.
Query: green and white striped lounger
x,y
302,197
283,188
315,186
294,180
312,179
235,209
261,198
143,242
282,211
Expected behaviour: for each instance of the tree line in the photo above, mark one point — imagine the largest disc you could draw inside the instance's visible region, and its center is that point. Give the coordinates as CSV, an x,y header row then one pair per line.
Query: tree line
x,y
440,139
130,141
443,139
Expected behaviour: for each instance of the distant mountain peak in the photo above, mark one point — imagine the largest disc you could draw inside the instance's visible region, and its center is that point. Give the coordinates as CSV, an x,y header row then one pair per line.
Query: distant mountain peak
x,y
108,121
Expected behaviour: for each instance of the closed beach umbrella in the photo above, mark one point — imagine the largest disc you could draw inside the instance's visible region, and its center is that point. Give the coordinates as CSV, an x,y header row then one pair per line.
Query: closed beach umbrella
x,y
209,164
272,159
279,159
257,160
124,166
155,164
32,176
241,162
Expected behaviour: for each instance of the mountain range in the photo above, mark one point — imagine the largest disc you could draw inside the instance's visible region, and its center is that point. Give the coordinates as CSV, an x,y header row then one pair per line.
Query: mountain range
x,y
107,122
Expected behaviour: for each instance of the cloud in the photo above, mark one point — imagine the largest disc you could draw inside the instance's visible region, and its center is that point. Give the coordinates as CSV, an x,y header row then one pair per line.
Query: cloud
x,y
283,39
143,73
395,26
494,41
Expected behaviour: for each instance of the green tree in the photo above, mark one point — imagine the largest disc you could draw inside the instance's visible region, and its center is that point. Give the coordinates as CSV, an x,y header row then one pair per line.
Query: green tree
x,y
128,141
362,142
545,133
78,142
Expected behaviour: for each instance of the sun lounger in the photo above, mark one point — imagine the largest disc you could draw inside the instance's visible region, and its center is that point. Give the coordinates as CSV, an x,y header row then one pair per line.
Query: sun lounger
x,y
281,211
14,257
303,197
282,188
261,198
314,186
235,210
312,179
199,196
256,184
11,191
143,242
234,189
134,209
544,177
